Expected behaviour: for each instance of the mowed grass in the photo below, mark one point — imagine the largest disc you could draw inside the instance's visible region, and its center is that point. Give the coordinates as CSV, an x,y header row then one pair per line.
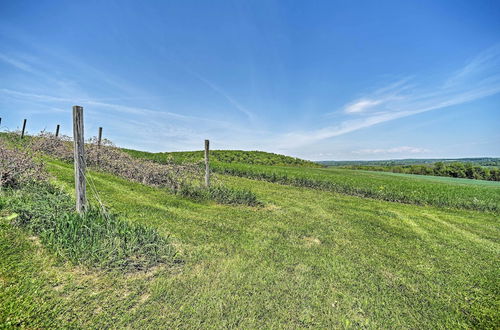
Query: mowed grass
x,y
433,178
410,189
307,258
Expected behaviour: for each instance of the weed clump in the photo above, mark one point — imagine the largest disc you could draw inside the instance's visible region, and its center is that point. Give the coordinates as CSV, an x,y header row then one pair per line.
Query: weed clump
x,y
95,238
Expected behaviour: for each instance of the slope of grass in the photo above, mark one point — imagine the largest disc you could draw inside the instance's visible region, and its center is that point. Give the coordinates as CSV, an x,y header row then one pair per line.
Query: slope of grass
x,y
225,156
403,189
309,258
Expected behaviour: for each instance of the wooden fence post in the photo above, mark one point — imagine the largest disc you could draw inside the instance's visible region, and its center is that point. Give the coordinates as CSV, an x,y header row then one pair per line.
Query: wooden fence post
x,y
99,139
24,127
79,153
57,130
207,167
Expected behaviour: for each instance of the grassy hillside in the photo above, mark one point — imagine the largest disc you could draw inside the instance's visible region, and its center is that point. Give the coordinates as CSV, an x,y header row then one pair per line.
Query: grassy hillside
x,y
226,156
308,258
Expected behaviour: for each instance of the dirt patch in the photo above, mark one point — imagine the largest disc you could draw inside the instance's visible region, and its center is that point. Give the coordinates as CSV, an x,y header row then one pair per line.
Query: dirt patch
x,y
311,241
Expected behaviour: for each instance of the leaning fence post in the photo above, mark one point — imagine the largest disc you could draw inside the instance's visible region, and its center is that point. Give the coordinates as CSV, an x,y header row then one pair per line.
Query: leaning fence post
x,y
24,127
79,153
207,167
57,130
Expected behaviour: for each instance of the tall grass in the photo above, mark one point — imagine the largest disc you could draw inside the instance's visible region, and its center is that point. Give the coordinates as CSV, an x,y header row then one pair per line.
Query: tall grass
x,y
95,238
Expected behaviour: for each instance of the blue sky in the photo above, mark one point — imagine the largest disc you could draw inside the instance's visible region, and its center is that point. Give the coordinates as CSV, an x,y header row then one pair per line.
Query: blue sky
x,y
320,80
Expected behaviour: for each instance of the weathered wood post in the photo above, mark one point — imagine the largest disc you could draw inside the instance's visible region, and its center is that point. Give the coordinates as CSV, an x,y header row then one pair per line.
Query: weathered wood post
x,y
79,153
24,128
207,167
99,139
57,130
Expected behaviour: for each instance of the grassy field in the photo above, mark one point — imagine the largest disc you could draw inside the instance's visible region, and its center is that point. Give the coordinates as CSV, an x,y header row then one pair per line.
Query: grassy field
x,y
419,190
307,258
455,181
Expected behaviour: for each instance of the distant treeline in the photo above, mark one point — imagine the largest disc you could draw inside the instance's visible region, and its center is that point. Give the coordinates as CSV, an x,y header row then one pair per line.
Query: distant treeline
x,y
453,169
483,161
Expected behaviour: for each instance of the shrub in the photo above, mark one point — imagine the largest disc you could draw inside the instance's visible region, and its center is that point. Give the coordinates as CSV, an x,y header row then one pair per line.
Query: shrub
x,y
110,159
18,167
58,147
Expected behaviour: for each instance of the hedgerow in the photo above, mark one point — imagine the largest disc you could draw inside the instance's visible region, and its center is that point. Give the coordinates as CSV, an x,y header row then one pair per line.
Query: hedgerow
x,y
186,179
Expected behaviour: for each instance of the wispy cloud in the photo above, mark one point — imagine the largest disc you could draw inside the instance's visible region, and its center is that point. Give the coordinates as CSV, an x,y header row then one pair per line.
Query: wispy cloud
x,y
394,150
16,63
223,93
361,105
477,79
110,106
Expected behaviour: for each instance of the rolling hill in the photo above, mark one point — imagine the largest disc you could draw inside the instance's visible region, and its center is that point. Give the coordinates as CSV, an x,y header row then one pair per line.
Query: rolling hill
x,y
226,156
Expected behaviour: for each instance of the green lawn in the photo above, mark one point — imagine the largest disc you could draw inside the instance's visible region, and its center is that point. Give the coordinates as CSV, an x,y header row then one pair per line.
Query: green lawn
x,y
307,258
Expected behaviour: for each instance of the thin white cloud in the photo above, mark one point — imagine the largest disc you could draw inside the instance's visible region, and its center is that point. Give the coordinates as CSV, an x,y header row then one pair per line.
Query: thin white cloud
x,y
16,63
110,106
477,79
361,105
394,150
223,93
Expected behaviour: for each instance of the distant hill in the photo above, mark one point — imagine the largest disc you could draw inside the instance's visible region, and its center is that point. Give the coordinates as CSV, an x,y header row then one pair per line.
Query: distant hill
x,y
226,156
485,161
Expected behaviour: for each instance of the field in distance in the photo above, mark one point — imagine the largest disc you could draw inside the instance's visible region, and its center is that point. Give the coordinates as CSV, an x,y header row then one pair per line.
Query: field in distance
x,y
481,161
411,189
